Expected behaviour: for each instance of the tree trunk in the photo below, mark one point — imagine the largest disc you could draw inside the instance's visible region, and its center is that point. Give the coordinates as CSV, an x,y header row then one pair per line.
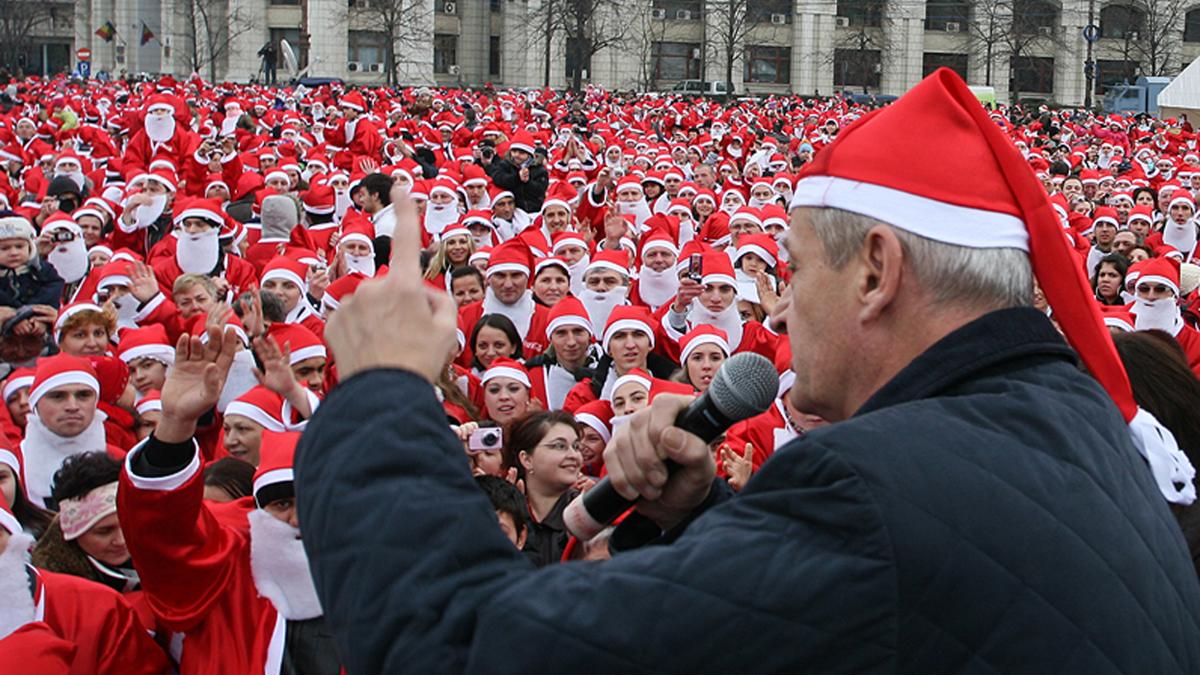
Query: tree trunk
x,y
577,79
549,37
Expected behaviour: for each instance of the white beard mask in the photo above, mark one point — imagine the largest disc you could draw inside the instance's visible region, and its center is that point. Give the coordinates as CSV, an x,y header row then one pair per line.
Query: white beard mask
x,y
1161,314
341,204
147,214
657,288
576,271
1182,237
70,260
600,304
160,128
18,608
440,216
45,452
640,210
280,567
127,307
363,264
198,253
728,320
241,379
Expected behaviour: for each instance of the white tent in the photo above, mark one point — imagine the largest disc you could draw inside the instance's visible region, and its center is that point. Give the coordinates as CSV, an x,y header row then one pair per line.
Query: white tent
x,y
1182,96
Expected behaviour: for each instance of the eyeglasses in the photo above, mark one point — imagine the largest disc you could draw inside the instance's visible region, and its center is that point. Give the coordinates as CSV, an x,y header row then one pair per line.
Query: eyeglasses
x,y
562,446
1157,288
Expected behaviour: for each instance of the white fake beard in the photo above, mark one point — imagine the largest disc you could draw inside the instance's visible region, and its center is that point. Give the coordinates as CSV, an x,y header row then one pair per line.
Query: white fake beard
x,y
363,264
240,380
280,567
1182,237
1161,314
657,288
18,607
45,452
198,253
600,304
640,210
730,207
486,239
75,176
70,260
160,128
341,204
439,216
576,271
728,320
127,307
520,312
757,203
147,214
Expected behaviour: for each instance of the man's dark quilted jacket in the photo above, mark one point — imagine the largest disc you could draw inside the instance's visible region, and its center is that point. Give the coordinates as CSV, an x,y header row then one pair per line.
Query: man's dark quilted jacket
x,y
984,512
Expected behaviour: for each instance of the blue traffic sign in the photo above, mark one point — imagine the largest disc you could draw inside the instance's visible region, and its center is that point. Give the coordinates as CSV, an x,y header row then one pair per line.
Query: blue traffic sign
x,y
85,69
1091,32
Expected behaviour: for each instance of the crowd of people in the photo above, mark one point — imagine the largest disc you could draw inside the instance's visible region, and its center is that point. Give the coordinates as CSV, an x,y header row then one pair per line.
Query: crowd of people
x,y
602,250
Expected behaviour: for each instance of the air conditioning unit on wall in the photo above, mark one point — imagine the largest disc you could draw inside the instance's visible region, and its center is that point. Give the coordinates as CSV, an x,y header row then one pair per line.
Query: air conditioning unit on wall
x,y
683,15
453,70
658,13
841,21
376,68
779,19
354,67
449,8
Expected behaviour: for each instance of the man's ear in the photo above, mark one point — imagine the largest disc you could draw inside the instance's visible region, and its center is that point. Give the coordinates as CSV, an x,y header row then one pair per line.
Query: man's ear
x,y
881,262
522,537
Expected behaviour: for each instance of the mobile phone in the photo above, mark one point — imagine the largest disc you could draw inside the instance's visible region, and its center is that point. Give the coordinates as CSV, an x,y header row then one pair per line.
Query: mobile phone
x,y
485,439
695,270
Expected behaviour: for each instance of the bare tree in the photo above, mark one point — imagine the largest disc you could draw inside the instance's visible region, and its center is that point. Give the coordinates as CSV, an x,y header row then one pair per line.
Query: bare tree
x,y
648,31
1013,30
1159,35
209,28
858,53
589,27
20,21
401,25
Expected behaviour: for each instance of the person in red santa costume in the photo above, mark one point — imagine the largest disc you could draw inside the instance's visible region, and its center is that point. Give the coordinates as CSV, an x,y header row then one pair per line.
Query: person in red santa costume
x,y
287,279
354,135
198,249
242,603
508,293
162,136
93,620
63,420
1156,306
569,334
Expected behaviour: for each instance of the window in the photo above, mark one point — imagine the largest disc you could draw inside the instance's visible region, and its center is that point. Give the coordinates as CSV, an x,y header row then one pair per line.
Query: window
x,y
445,52
680,10
867,13
675,60
1191,26
496,5
934,60
494,55
857,67
285,2
769,65
1121,22
1113,72
586,66
946,15
292,35
366,47
1034,16
1033,74
766,11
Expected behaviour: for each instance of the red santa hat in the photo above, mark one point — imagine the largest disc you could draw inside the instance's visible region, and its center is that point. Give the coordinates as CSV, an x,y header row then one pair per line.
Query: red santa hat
x,y
637,376
1143,213
597,415
568,312
657,239
629,183
274,478
980,194
628,317
560,194
149,342
1182,197
1161,271
717,269
552,261
60,370
703,334
356,227
522,140
261,406
505,367
1116,316
302,342
205,209
511,256
474,175
616,261
21,378
354,101
341,289
762,245
319,199
150,402
286,269
165,177
567,238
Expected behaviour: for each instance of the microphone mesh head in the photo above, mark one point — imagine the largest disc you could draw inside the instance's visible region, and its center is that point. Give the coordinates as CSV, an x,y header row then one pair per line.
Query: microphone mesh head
x,y
744,386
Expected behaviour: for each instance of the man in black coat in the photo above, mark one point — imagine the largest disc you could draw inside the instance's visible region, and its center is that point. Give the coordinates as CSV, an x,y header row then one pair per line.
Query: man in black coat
x,y
522,172
978,506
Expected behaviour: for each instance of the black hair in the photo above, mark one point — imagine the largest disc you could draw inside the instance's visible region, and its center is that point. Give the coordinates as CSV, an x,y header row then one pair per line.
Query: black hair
x,y
82,473
32,517
505,498
528,431
466,271
232,475
1121,264
1153,196
378,185
501,323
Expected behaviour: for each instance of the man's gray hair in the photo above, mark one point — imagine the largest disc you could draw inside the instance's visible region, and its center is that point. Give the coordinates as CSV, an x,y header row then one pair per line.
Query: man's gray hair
x,y
993,278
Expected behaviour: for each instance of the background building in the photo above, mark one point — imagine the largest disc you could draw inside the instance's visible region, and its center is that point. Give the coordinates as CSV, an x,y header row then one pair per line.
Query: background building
x,y
1033,48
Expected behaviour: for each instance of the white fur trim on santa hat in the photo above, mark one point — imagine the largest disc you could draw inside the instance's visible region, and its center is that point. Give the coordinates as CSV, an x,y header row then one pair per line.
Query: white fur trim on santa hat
x,y
311,352
756,250
661,244
162,353
149,405
605,265
506,267
626,324
718,279
1183,198
703,339
1156,279
505,371
254,414
59,380
9,459
284,274
569,320
274,477
15,384
922,216
626,379
1117,322
595,423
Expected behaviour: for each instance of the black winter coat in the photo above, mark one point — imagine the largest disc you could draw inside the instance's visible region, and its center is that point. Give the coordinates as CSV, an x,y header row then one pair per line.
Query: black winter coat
x,y
38,284
985,511
527,194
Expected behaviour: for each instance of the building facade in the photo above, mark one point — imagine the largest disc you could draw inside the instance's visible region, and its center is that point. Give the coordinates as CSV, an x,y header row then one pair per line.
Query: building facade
x,y
1031,49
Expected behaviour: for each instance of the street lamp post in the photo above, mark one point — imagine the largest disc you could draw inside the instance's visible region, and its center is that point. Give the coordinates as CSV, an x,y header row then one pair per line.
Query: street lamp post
x,y
1089,65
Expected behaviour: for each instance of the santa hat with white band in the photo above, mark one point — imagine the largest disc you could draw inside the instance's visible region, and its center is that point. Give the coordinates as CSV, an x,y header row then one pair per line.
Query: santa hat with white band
x,y
60,370
981,193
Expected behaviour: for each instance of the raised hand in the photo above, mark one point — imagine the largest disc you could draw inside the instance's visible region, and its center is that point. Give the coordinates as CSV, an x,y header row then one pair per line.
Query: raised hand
x,y
142,283
194,382
276,373
737,467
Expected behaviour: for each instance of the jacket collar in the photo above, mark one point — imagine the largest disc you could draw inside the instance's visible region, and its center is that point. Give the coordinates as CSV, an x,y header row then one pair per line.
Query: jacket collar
x,y
993,340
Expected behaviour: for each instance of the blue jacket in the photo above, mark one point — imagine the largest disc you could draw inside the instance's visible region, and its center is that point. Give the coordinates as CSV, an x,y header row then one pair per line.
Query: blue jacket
x,y
38,284
985,511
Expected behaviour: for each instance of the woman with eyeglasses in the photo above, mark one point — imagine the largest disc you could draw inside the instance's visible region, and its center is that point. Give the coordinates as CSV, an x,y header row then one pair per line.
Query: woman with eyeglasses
x,y
545,449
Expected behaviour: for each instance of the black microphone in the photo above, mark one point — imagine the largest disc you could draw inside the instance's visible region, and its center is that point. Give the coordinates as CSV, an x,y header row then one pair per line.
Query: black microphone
x,y
745,385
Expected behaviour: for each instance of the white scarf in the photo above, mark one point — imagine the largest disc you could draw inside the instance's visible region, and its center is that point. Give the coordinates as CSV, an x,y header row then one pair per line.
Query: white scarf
x,y
280,567
520,312
197,253
1182,237
657,288
18,607
559,382
600,305
728,320
384,221
1161,314
45,452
